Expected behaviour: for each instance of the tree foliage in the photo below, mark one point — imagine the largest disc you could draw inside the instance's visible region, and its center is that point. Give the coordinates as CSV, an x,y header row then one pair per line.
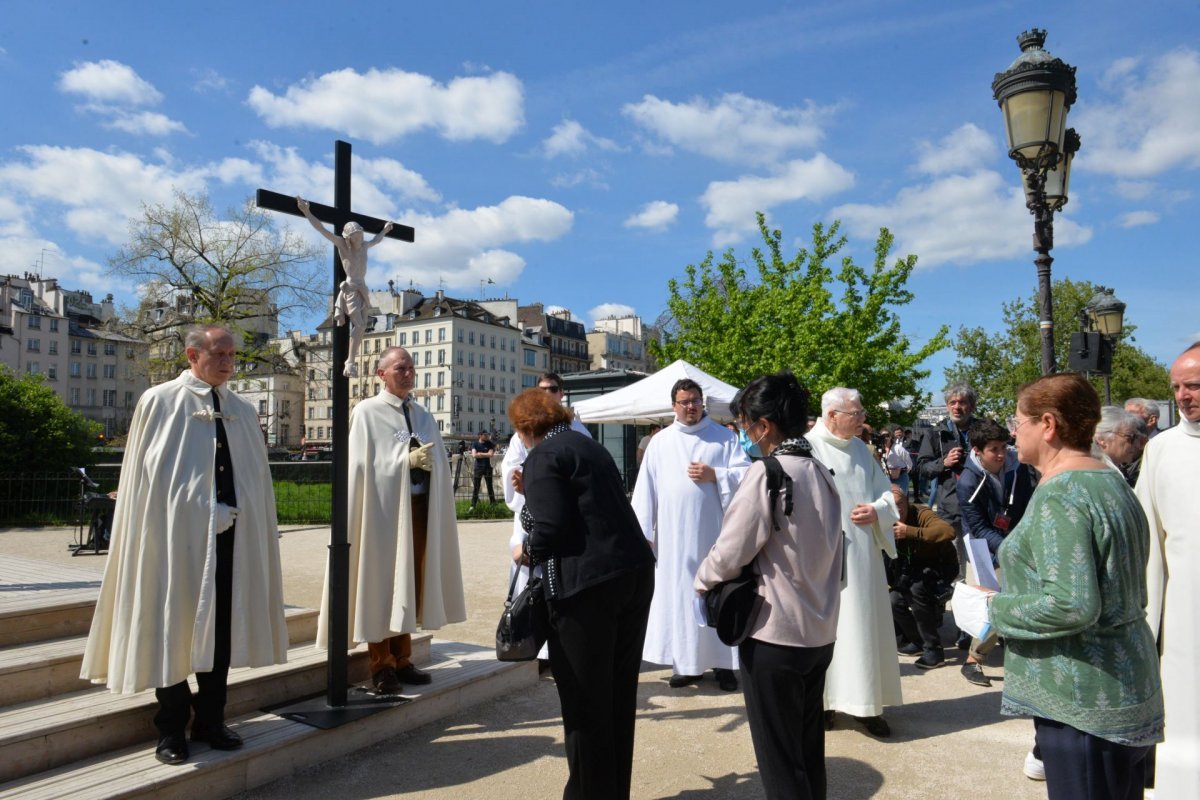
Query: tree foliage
x,y
194,266
737,329
40,433
997,364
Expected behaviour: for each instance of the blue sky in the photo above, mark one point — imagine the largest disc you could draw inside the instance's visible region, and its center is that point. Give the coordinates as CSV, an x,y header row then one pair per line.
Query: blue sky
x,y
583,154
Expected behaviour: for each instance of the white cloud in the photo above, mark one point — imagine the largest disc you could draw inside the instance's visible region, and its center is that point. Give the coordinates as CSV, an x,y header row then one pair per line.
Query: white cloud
x,y
464,246
569,138
735,128
1152,126
732,204
100,191
384,105
115,92
657,215
1135,219
966,148
209,80
1135,190
607,310
148,122
957,219
589,176
109,82
18,253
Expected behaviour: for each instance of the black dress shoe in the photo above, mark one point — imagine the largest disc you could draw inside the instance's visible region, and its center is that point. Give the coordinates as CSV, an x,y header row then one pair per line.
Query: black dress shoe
x,y
172,749
386,681
726,680
218,738
909,649
679,681
413,676
974,673
876,726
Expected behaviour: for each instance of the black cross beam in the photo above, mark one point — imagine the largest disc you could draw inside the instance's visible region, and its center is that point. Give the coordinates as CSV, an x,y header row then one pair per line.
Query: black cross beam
x,y
336,215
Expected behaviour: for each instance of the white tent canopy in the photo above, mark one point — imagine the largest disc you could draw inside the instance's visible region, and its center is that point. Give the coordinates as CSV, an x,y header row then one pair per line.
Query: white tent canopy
x,y
649,400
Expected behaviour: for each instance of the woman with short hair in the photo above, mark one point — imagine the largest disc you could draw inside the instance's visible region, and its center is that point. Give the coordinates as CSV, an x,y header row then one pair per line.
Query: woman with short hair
x,y
599,580
1080,658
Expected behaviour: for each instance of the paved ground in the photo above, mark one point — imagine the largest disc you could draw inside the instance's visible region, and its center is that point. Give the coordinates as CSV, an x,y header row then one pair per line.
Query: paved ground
x,y
948,740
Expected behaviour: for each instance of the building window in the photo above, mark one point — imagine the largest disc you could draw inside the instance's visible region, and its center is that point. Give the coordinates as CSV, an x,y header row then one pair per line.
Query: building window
x,y
492,362
76,347
53,348
442,334
54,325
441,402
91,348
471,338
471,381
493,342
311,409
354,390
110,349
129,400
91,397
33,367
320,433
110,398
33,322
441,356
110,371
402,339
440,378
52,372
75,369
471,359
33,345
470,426
262,407
91,372
426,380
492,383
470,404
74,396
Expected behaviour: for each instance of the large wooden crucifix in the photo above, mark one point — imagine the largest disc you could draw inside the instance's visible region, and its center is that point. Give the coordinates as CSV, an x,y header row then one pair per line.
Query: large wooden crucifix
x,y
339,549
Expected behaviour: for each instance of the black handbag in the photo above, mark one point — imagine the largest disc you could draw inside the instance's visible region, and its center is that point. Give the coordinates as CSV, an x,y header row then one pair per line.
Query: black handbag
x,y
525,624
732,606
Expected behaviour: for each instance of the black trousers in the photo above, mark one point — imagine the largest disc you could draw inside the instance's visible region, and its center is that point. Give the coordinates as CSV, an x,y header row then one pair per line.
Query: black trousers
x,y
596,639
916,611
784,689
487,476
1080,766
175,703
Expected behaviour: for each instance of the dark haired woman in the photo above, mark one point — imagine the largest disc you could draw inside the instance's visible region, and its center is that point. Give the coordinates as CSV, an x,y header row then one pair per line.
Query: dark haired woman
x,y
797,555
1080,658
599,579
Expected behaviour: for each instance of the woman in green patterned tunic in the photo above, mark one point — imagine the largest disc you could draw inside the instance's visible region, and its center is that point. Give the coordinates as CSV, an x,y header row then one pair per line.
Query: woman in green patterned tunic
x,y
1080,658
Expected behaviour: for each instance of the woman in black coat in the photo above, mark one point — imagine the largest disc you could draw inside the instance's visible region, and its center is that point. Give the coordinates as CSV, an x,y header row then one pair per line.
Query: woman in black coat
x,y
599,580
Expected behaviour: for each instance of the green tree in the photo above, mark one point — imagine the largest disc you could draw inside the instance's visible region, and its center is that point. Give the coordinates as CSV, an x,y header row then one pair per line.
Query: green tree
x,y
737,329
997,364
194,266
39,433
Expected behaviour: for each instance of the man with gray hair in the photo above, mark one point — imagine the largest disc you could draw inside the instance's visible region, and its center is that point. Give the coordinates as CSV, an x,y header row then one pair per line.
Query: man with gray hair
x,y
1147,410
1120,438
864,675
943,455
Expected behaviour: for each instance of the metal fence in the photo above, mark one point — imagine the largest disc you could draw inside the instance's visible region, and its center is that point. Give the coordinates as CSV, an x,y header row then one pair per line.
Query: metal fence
x,y
303,493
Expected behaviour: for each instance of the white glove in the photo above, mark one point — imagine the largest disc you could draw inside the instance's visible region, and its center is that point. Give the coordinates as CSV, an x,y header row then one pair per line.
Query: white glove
x,y
421,458
223,517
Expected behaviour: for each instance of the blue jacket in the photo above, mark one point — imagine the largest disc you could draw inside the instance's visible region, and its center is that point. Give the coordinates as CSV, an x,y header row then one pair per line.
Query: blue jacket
x,y
983,504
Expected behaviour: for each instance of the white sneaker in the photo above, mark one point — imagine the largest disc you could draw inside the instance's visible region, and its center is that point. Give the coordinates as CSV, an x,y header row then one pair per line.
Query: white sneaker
x,y
1033,768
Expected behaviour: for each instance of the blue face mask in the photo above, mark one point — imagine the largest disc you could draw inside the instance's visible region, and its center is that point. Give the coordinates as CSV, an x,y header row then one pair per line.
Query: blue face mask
x,y
748,447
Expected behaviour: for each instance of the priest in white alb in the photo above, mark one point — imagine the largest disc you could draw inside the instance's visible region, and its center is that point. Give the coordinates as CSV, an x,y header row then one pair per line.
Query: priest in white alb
x,y
689,473
1167,489
864,675
404,563
193,582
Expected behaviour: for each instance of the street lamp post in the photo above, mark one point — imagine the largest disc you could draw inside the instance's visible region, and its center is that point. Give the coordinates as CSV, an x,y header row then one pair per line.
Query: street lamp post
x,y
1101,323
1035,93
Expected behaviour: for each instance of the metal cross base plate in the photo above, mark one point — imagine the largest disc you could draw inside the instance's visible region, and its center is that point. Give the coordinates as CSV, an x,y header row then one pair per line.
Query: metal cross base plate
x,y
317,712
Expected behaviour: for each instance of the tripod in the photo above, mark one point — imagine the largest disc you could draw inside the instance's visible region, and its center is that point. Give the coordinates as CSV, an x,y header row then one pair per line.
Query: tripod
x,y
95,511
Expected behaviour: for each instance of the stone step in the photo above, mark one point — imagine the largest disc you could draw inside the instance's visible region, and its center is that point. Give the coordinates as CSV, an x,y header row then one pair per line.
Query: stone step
x,y
40,669
43,600
463,676
43,734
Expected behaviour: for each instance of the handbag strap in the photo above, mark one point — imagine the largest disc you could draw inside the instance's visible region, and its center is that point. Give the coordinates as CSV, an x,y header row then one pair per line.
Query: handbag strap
x,y
512,584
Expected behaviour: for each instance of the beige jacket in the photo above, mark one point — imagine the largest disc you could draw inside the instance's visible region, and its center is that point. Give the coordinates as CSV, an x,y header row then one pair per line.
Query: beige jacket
x,y
800,565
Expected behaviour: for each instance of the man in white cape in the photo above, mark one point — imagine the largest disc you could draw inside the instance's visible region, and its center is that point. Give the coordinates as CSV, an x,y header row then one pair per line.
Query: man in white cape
x,y
864,675
404,563
689,474
1166,488
193,582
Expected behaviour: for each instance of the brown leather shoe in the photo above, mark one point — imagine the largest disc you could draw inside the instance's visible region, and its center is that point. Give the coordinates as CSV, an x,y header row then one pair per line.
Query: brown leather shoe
x,y
413,676
386,681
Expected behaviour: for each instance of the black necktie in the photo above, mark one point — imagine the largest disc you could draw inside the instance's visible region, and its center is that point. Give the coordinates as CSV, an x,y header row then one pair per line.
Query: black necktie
x,y
224,464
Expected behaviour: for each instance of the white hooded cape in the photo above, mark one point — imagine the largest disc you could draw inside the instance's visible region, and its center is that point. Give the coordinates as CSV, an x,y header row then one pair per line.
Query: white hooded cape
x,y
383,587
682,519
1166,488
864,675
155,618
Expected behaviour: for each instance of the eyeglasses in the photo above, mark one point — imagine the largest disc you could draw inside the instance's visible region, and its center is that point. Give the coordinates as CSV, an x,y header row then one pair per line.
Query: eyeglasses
x,y
552,389
699,401
855,414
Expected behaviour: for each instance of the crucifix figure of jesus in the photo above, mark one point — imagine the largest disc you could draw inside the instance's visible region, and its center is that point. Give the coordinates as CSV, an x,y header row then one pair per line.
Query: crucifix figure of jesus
x,y
353,297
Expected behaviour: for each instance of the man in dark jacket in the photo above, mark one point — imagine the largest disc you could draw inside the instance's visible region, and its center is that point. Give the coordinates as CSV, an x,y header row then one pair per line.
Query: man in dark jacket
x,y
919,578
993,490
941,459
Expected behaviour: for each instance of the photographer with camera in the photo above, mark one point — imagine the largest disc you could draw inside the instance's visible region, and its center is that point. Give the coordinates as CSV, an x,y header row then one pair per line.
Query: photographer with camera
x,y
919,579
